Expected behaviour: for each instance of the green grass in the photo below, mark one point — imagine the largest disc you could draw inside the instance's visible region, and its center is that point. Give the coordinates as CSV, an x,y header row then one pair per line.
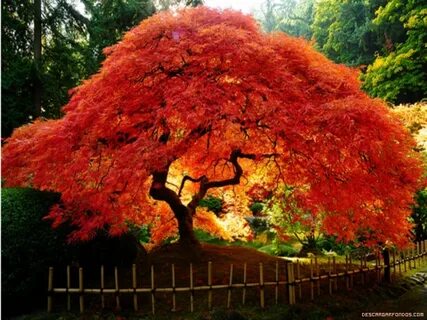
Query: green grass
x,y
205,237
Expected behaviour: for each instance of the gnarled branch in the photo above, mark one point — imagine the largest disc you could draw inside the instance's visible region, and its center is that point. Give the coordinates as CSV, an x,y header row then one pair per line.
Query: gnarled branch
x,y
188,178
205,184
159,191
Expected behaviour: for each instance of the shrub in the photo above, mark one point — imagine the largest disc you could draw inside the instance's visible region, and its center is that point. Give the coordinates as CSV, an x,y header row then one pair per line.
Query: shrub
x,y
213,204
284,250
419,215
30,246
330,244
258,224
256,208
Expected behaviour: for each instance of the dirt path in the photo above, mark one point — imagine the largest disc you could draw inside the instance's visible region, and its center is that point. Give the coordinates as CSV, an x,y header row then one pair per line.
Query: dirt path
x,y
412,301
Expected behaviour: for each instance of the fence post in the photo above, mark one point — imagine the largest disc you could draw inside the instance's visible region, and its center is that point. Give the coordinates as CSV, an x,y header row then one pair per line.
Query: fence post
x,y
153,298
102,288
173,289
414,255
230,283
329,275
291,282
261,285
311,280
68,288
394,263
276,289
365,265
419,253
386,257
81,290
210,285
347,278
116,281
49,290
334,265
317,275
244,284
378,267
191,289
135,296
299,280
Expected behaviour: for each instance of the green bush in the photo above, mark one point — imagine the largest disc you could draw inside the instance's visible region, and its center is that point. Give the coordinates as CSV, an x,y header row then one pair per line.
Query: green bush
x,y
256,208
213,204
258,224
284,250
30,246
330,244
419,215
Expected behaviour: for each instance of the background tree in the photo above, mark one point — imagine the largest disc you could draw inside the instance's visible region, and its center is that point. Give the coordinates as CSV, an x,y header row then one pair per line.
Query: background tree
x,y
37,45
207,96
400,74
108,21
419,215
175,4
17,64
343,30
49,47
414,117
385,39
293,17
285,215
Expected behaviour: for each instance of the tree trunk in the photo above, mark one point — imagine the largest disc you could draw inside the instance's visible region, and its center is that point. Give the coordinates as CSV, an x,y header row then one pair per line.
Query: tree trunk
x,y
37,56
185,227
387,273
183,214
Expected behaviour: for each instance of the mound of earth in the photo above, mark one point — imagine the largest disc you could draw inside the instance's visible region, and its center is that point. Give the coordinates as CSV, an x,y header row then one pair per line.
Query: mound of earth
x,y
221,257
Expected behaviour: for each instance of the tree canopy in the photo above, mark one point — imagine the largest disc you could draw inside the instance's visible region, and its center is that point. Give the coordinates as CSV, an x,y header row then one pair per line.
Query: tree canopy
x,y
199,99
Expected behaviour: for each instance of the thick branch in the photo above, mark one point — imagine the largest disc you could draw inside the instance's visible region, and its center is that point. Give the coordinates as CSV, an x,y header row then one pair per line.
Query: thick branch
x,y
183,214
205,184
188,178
159,191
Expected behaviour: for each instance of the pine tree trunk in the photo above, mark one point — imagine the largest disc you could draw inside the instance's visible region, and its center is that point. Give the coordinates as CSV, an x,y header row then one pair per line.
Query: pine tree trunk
x,y
37,56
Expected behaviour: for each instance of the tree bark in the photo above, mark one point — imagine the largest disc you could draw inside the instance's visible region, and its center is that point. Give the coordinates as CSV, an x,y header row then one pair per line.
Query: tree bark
x,y
183,214
185,228
37,56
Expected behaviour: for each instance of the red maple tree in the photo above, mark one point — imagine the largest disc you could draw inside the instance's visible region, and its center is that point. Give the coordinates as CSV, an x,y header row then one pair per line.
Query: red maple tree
x,y
208,96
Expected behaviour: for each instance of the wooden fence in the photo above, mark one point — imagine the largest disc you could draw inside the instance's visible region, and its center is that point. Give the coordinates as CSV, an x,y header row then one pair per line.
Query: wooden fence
x,y
326,273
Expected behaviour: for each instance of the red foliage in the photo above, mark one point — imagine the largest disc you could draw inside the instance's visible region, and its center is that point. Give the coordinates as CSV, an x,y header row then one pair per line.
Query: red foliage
x,y
197,85
259,192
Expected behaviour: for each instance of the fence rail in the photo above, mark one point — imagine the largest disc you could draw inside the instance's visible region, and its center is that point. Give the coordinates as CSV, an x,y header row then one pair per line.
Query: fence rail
x,y
385,269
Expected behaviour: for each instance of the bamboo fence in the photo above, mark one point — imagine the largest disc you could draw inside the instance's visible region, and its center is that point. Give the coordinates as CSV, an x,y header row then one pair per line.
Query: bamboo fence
x,y
399,261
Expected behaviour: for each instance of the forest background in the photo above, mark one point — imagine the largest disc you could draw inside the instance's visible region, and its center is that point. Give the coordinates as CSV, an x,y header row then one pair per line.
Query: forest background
x,y
51,46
